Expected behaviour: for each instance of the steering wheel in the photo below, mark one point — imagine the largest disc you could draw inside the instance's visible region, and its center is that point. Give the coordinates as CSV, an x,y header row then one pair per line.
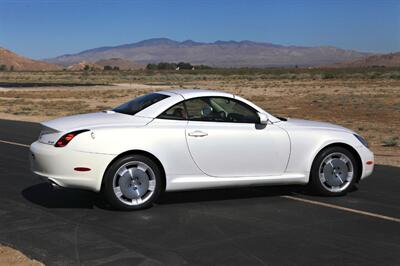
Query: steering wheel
x,y
222,115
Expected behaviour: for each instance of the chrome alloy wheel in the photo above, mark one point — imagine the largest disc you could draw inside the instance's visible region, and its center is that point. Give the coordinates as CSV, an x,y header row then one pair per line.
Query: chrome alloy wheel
x,y
336,172
134,183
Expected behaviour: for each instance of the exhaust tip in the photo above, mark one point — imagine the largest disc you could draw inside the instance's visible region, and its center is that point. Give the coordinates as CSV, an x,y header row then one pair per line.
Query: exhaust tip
x,y
54,185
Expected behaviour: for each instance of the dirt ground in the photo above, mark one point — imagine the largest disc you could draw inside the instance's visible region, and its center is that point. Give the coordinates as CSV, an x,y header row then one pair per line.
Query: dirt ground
x,y
10,256
370,107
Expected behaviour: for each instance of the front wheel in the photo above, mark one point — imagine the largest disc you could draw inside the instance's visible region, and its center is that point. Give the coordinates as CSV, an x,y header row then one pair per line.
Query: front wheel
x,y
132,182
334,172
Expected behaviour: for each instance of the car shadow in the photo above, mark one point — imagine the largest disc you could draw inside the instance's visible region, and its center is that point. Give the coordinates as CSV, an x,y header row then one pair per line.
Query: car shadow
x,y
45,195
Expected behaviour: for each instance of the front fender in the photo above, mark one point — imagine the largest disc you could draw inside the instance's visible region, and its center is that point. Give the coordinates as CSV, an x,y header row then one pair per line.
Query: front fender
x,y
307,144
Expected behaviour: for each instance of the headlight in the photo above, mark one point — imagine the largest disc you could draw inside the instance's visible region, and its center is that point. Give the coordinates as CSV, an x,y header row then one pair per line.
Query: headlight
x,y
362,140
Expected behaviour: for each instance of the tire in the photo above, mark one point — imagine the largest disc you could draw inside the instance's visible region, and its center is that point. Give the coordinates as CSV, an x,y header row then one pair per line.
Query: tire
x,y
132,182
333,172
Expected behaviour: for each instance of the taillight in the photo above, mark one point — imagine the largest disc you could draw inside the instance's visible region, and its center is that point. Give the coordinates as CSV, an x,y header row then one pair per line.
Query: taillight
x,y
64,140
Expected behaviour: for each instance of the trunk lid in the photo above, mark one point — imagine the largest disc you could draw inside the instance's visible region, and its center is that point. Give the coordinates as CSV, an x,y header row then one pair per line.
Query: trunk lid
x,y
95,120
54,129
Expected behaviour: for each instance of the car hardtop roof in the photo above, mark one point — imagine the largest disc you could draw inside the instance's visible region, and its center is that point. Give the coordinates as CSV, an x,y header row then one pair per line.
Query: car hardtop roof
x,y
178,95
191,93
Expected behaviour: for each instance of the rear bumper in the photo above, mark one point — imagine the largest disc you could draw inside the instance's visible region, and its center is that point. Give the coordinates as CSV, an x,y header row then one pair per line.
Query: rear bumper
x,y
58,165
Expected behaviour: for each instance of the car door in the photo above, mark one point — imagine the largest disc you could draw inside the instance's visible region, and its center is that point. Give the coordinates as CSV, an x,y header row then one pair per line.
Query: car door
x,y
225,140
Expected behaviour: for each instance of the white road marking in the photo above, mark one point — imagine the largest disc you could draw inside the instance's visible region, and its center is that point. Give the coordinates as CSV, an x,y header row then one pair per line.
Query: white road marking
x,y
313,202
14,143
337,207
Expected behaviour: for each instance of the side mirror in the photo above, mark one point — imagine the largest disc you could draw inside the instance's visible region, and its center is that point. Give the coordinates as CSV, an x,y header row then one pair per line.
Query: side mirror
x,y
263,118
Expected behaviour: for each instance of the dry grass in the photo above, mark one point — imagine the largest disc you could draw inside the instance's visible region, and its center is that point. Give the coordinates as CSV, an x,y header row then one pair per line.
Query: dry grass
x,y
368,106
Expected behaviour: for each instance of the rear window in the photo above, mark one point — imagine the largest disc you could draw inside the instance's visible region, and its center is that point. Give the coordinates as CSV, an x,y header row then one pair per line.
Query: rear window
x,y
140,103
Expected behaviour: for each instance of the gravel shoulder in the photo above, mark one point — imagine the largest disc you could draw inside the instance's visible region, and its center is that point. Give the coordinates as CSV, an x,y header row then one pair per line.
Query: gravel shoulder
x,y
10,256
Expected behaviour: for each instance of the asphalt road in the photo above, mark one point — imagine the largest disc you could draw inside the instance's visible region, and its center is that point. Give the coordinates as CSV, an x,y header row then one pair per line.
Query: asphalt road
x,y
249,226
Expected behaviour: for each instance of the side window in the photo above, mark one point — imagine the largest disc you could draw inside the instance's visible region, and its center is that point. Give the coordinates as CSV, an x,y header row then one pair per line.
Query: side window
x,y
176,112
236,111
220,109
199,109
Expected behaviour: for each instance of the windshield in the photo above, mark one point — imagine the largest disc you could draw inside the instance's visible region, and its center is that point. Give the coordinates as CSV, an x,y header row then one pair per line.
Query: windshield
x,y
138,104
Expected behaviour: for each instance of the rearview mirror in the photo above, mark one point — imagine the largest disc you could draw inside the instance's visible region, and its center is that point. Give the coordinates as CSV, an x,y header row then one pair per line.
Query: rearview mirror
x,y
263,118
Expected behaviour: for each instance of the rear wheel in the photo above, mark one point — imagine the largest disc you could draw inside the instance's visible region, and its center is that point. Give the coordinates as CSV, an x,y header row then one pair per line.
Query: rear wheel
x,y
334,172
132,182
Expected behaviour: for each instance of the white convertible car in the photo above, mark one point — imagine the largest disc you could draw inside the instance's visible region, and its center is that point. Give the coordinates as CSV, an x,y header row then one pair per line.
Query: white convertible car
x,y
195,139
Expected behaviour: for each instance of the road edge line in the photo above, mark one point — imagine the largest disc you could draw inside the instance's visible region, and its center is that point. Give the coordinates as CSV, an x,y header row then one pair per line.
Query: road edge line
x,y
14,143
333,206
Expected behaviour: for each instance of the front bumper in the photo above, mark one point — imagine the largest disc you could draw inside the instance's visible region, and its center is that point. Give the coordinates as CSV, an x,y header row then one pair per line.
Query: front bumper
x,y
366,158
58,165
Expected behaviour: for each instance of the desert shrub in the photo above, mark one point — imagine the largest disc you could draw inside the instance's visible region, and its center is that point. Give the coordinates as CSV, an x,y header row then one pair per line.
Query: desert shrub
x,y
303,76
328,75
183,65
151,66
373,75
355,75
162,66
202,67
394,75
390,142
166,66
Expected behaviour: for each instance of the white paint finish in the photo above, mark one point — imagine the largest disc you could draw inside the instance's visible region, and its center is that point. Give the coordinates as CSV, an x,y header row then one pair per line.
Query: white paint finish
x,y
203,181
308,124
238,149
58,165
366,155
228,154
308,138
94,120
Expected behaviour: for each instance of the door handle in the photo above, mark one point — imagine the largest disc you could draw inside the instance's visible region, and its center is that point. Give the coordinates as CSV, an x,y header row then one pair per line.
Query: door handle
x,y
197,134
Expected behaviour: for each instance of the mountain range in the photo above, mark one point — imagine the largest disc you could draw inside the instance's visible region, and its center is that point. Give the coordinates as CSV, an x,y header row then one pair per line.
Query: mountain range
x,y
217,54
16,62
385,60
12,61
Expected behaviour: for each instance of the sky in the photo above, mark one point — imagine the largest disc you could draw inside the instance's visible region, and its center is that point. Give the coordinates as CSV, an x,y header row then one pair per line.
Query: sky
x,y
48,28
